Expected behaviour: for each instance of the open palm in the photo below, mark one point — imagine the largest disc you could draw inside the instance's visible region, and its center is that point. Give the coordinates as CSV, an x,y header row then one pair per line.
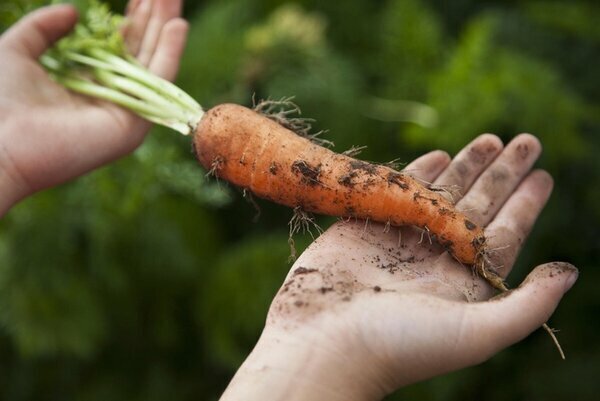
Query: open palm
x,y
389,307
52,134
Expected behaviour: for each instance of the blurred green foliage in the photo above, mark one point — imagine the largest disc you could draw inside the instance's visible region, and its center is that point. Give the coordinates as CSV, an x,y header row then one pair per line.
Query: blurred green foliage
x,y
146,281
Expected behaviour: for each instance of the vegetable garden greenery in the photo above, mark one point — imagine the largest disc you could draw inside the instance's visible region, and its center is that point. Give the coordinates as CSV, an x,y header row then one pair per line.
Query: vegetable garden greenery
x,y
146,281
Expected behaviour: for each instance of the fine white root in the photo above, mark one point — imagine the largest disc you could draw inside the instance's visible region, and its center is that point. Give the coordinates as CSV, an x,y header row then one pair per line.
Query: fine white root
x,y
423,232
247,194
304,222
287,114
354,151
551,332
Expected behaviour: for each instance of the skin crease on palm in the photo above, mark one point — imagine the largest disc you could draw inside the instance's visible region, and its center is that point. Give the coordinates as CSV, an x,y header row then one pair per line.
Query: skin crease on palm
x,y
54,135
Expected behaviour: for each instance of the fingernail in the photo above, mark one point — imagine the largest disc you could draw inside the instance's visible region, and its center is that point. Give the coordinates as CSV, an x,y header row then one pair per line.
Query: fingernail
x,y
561,270
567,269
571,279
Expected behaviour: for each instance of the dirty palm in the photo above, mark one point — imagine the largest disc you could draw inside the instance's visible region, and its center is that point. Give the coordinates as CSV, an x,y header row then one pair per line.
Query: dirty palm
x,y
376,299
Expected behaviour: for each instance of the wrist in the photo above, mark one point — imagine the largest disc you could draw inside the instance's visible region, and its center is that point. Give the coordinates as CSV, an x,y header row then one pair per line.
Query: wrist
x,y
301,366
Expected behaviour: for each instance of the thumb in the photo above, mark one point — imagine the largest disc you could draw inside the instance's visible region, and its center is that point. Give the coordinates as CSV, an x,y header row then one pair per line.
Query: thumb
x,y
37,31
512,316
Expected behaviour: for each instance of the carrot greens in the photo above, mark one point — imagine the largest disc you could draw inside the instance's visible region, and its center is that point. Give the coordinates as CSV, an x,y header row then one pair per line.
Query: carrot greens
x,y
94,61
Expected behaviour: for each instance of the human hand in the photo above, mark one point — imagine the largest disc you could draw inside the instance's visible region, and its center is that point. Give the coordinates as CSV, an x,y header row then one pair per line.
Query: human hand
x,y
48,134
366,310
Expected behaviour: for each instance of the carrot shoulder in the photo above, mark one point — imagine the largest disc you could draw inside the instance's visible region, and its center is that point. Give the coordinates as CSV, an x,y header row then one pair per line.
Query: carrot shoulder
x,y
254,152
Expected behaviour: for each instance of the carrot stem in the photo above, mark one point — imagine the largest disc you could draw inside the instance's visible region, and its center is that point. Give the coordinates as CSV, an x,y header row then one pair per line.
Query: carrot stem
x,y
93,61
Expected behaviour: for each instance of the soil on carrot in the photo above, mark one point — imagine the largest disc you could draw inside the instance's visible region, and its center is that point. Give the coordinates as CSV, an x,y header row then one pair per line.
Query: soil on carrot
x,y
274,168
470,225
347,179
310,174
398,179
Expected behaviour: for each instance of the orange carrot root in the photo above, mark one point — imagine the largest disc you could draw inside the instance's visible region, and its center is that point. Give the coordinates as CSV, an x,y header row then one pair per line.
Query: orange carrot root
x,y
254,152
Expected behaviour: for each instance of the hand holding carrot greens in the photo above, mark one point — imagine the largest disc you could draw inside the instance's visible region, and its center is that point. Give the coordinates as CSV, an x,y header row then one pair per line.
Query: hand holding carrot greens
x,y
49,134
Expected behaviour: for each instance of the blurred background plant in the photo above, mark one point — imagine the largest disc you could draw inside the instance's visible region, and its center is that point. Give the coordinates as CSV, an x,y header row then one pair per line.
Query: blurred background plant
x,y
145,281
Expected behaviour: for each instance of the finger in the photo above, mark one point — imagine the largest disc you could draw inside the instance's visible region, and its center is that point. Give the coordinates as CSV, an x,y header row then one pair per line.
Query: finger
x,y
131,7
427,167
137,21
495,324
165,61
468,164
499,180
509,229
38,31
162,12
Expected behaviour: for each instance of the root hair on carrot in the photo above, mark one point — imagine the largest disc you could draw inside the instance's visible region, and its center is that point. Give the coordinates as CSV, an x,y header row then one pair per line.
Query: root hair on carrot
x,y
315,138
468,210
453,191
301,222
488,256
215,166
399,237
395,164
483,269
247,194
497,249
345,219
354,151
293,253
286,113
386,228
552,334
365,229
410,172
282,111
423,232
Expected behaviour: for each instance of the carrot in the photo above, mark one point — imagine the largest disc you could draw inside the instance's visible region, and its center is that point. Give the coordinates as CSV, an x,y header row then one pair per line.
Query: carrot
x,y
253,152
